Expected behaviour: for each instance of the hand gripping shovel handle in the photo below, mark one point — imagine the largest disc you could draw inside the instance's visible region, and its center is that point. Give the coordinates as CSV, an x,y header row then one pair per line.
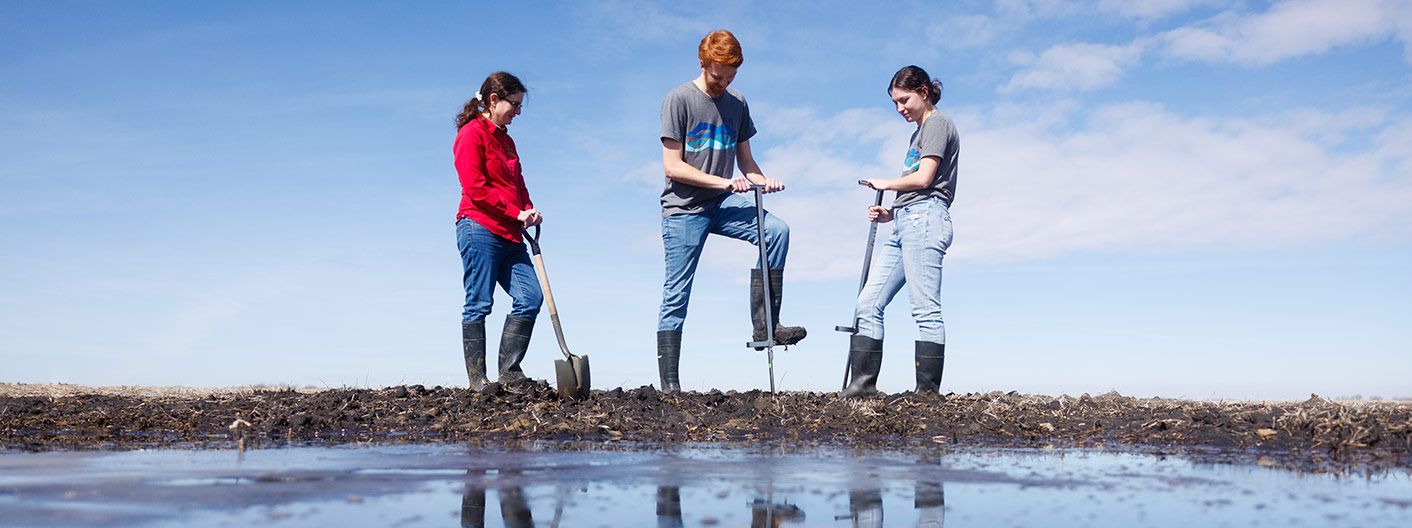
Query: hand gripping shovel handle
x,y
544,285
862,281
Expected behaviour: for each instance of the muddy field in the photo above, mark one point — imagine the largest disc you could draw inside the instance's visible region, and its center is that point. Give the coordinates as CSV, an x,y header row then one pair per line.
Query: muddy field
x,y
1315,435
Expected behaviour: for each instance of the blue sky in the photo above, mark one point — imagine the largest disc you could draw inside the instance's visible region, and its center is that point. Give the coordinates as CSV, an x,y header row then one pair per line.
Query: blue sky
x,y
1203,199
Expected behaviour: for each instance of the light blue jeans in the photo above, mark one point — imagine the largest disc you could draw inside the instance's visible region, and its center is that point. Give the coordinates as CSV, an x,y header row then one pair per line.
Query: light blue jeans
x,y
912,257
684,235
487,259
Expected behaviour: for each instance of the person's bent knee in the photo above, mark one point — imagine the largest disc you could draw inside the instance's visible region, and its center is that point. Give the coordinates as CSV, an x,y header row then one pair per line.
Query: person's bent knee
x,y
776,230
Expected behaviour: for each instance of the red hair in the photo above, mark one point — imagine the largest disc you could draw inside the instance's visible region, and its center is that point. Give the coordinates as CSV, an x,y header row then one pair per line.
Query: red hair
x,y
722,48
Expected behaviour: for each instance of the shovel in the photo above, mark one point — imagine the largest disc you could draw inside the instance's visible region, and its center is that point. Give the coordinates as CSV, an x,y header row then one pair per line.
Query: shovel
x,y
862,281
572,371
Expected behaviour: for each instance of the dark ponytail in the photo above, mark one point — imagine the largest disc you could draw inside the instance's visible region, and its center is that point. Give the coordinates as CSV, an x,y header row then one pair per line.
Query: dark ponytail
x,y
915,79
498,83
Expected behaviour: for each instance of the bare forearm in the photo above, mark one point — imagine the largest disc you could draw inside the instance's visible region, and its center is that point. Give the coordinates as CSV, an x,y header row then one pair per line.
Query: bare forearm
x,y
685,173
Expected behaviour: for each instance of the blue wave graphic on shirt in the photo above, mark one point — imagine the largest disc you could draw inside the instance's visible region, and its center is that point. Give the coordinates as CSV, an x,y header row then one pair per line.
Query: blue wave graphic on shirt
x,y
913,163
707,135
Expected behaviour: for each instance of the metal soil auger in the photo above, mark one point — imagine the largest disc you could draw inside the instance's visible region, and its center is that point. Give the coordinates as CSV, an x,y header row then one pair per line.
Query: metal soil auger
x,y
862,281
769,343
572,371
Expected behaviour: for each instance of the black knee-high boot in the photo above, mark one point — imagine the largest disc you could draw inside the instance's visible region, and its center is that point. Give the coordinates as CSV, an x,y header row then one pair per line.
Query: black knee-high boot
x,y
473,345
513,344
668,357
865,354
931,357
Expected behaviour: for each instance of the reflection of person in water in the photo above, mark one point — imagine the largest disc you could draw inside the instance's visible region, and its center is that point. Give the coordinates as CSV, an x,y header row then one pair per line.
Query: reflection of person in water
x,y
766,514
931,500
513,509
668,507
865,505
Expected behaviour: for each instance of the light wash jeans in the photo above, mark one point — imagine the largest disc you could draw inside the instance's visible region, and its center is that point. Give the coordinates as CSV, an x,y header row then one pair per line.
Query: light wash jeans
x,y
684,235
487,259
912,257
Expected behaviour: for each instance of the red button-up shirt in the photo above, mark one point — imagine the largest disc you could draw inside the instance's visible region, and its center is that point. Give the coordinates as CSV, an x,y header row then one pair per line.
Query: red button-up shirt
x,y
493,189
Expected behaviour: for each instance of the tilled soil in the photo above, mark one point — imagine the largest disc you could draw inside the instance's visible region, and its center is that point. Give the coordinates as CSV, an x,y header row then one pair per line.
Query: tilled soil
x,y
1317,434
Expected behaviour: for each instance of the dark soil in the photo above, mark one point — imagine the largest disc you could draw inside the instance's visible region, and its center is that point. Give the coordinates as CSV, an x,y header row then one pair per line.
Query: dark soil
x,y
1313,435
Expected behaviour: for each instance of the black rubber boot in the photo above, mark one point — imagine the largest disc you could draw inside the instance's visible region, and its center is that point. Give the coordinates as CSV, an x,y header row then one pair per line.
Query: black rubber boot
x,y
513,344
668,357
473,344
930,359
865,353
784,335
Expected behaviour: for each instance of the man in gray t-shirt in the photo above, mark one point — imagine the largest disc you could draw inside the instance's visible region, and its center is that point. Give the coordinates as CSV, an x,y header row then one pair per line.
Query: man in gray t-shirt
x,y
706,131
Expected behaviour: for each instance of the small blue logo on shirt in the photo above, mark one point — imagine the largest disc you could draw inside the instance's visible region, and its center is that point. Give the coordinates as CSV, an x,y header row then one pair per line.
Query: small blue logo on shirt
x,y
707,135
913,163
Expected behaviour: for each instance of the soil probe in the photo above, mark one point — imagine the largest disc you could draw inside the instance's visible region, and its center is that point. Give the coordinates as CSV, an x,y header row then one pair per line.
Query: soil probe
x,y
862,281
769,343
572,371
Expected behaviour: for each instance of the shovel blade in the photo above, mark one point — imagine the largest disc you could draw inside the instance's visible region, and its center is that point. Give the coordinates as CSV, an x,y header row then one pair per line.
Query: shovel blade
x,y
580,364
572,377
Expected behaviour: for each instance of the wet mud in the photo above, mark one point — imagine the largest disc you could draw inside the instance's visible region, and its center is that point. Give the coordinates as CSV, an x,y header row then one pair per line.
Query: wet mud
x,y
1313,435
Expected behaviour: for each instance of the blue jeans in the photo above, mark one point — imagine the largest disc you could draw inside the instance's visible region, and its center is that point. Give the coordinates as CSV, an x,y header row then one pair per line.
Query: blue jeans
x,y
487,259
912,257
684,235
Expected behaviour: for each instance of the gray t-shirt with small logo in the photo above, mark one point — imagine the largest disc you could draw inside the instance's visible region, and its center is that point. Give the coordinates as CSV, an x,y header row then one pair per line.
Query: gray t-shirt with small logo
x,y
709,130
936,137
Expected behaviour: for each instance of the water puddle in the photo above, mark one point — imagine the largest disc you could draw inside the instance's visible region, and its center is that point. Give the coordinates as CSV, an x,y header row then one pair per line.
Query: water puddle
x,y
546,484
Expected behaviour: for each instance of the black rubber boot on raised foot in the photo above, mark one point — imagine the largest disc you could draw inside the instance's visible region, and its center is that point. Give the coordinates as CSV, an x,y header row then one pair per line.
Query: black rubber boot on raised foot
x,y
931,357
784,335
513,344
473,345
668,357
865,354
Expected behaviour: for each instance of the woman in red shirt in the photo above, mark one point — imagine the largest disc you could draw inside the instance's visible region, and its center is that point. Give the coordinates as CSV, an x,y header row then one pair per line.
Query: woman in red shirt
x,y
495,209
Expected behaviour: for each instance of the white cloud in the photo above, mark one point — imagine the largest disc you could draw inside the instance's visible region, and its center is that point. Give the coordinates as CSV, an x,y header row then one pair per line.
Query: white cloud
x,y
1073,67
1151,9
1289,29
616,24
964,31
1134,177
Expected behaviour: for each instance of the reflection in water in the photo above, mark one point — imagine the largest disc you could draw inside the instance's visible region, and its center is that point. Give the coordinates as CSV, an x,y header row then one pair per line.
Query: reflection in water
x,y
668,507
765,513
682,486
865,503
931,500
473,506
513,509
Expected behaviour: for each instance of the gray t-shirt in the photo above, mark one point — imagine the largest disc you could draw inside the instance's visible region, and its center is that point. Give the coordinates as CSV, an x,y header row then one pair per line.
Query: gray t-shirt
x,y
708,130
936,137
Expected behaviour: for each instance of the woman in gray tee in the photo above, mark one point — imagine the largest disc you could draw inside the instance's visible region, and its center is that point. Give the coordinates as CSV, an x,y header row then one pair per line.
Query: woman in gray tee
x,y
912,256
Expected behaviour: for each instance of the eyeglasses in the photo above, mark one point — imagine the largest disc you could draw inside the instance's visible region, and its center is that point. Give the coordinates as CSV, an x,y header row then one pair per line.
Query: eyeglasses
x,y
514,105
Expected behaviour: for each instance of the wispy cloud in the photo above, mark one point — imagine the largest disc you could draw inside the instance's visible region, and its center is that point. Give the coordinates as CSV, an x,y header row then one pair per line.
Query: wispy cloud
x,y
1152,9
1122,178
1073,67
965,31
1135,177
1289,29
